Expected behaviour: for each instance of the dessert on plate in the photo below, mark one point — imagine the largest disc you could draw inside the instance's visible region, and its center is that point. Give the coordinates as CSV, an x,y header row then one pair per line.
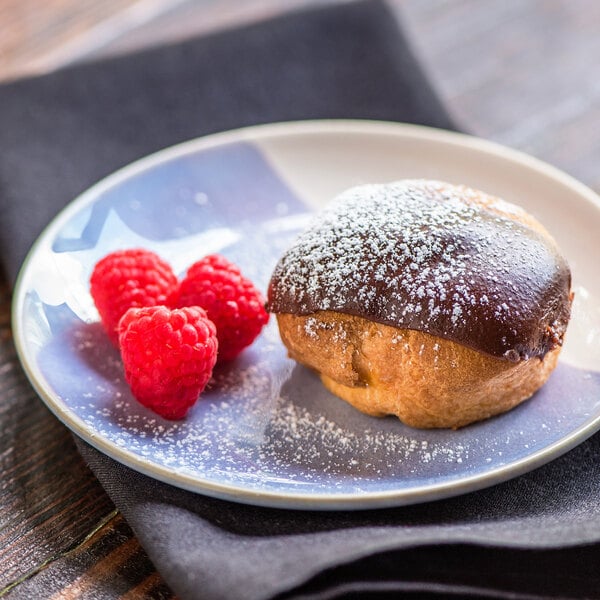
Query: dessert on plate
x,y
434,302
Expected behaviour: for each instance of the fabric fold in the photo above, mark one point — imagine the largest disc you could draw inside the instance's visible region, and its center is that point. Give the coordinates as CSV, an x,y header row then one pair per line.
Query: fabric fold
x,y
64,131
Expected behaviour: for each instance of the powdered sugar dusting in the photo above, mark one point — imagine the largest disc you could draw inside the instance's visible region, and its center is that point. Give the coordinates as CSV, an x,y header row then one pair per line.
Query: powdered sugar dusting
x,y
328,446
429,256
263,421
337,245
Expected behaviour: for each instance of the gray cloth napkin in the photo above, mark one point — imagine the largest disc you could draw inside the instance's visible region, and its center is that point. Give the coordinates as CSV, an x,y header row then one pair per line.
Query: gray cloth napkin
x,y
537,536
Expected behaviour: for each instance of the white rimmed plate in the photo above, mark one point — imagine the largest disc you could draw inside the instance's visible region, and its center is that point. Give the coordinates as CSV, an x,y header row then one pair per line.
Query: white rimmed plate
x,y
267,432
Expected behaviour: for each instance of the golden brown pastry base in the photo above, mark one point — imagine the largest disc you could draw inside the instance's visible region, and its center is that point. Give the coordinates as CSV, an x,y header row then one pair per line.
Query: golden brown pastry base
x,y
424,380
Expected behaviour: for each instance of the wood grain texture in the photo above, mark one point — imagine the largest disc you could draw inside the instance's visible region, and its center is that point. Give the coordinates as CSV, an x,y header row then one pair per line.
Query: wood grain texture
x,y
30,29
525,74
522,73
108,564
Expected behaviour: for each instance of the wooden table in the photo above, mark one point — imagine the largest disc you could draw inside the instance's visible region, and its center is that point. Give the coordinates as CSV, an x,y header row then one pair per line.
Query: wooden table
x,y
526,74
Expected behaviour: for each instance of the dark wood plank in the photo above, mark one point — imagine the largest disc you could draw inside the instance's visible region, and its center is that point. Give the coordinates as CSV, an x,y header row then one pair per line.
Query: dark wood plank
x,y
108,564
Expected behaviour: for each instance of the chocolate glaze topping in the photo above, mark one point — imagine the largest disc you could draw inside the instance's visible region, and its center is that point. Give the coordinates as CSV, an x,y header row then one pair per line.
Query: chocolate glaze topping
x,y
430,256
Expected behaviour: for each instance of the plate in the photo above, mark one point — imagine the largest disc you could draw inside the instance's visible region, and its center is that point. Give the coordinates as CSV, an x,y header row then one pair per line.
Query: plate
x,y
267,432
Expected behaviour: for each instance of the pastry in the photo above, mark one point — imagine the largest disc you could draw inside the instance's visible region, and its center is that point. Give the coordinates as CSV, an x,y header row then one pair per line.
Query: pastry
x,y
434,302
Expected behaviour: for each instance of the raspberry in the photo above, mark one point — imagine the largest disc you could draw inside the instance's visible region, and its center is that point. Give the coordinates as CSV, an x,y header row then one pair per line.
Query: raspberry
x,y
230,300
168,355
130,278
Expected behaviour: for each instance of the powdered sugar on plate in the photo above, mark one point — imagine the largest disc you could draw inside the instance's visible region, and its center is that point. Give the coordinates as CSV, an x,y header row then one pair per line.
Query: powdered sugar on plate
x,y
262,421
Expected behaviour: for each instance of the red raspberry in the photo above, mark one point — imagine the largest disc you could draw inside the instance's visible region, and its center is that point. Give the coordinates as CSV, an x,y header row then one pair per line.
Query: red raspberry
x,y
230,300
168,356
130,278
